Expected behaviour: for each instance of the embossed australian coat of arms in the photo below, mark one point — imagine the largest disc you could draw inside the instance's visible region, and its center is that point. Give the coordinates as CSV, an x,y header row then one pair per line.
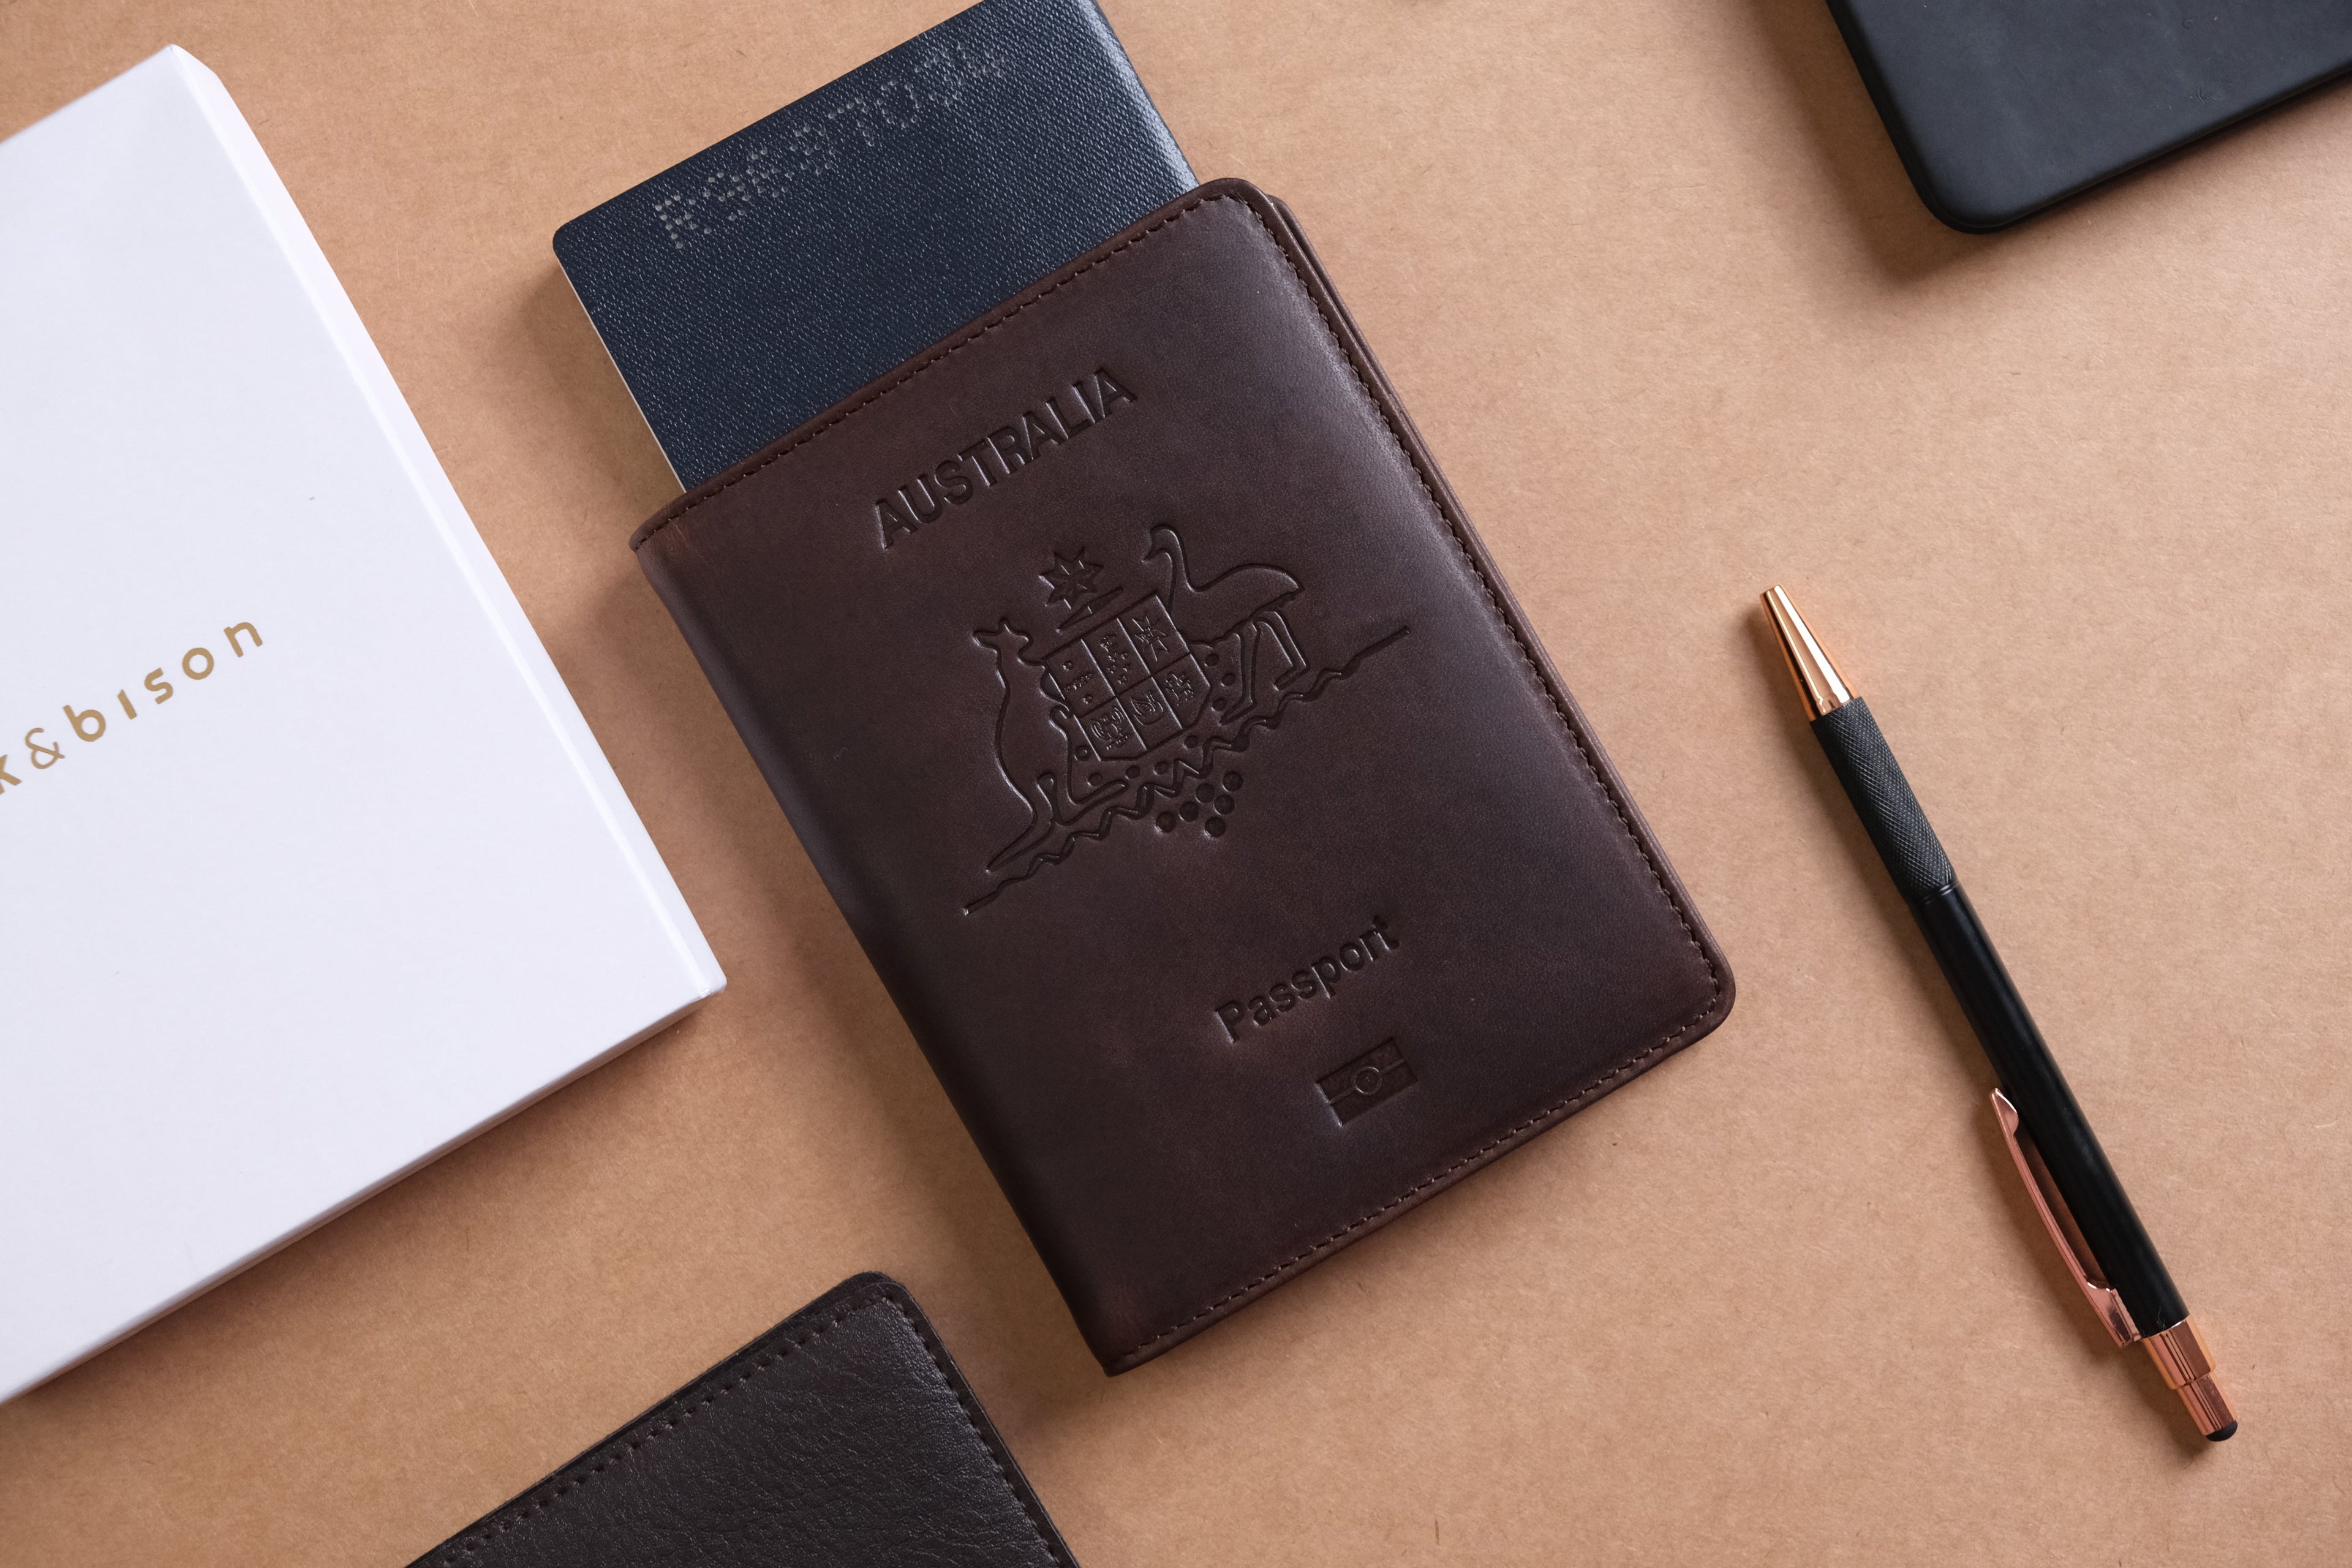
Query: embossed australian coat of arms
x,y
1137,703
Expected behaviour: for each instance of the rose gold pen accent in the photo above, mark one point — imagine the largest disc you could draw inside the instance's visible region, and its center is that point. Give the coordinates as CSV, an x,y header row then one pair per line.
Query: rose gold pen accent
x,y
2106,1302
2179,1352
1816,677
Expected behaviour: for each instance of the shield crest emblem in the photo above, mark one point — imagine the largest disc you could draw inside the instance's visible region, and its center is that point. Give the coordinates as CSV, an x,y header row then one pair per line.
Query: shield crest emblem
x,y
1131,682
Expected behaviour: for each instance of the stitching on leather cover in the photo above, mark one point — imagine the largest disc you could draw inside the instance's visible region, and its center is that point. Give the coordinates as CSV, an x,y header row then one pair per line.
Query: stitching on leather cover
x,y
985,1430
1535,1123
620,1445
1352,355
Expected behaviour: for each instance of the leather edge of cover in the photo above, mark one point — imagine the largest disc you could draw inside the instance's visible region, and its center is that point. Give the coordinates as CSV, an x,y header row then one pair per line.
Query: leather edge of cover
x,y
796,1333
1281,231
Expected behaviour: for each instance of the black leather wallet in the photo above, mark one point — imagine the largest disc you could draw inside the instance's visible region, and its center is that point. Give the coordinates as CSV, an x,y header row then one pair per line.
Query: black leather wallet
x,y
842,1435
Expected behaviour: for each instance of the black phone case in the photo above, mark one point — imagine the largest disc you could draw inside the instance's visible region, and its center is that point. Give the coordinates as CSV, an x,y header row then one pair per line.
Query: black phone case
x,y
2002,108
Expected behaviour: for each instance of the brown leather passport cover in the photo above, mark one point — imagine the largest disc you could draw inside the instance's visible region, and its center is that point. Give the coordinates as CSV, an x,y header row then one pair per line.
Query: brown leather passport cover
x,y
1187,771
842,1437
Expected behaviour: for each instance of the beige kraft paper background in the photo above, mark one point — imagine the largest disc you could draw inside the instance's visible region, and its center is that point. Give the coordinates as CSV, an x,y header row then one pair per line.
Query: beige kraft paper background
x,y
2070,504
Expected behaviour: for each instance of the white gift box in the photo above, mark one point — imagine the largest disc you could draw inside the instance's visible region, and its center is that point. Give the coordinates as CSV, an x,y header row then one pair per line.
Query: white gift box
x,y
309,868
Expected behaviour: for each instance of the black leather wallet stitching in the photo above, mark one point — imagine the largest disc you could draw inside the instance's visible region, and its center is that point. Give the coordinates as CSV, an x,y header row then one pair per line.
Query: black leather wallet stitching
x,y
674,1414
1344,340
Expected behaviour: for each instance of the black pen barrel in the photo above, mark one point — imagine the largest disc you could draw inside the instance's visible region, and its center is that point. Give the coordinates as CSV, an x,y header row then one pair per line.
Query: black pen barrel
x,y
2029,1075
2045,1107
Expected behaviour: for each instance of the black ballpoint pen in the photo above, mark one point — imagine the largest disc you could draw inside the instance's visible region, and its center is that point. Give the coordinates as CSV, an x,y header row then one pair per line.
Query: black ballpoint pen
x,y
2124,1279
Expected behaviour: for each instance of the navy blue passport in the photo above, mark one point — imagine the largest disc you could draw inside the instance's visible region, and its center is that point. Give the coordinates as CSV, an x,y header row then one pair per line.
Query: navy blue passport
x,y
766,278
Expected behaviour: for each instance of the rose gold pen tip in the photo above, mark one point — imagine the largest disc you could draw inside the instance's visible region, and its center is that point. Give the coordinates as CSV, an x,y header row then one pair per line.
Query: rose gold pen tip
x,y
1816,677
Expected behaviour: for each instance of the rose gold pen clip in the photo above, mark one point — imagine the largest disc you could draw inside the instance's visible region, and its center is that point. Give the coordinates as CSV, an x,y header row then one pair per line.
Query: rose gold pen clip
x,y
2179,1352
